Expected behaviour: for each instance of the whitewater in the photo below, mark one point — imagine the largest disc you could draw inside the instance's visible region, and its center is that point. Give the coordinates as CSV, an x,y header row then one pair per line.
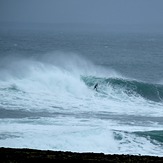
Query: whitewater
x,y
49,102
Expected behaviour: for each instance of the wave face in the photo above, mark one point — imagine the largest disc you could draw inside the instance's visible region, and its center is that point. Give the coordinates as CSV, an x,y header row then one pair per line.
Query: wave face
x,y
148,91
49,102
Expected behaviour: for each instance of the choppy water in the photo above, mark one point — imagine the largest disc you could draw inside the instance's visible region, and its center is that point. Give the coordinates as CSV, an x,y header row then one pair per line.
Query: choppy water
x,y
47,100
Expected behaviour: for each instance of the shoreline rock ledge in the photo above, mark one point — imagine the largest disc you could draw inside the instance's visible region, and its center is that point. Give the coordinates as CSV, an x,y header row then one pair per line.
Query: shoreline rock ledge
x,y
28,155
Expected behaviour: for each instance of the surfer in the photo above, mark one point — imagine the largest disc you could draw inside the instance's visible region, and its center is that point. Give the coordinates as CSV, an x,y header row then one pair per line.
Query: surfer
x,y
95,87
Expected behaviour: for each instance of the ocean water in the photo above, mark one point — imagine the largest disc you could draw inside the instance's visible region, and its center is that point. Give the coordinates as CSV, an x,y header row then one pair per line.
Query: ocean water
x,y
47,100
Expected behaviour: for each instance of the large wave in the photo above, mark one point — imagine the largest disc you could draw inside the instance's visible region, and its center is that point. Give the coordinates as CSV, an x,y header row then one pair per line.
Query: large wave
x,y
69,79
67,72
149,91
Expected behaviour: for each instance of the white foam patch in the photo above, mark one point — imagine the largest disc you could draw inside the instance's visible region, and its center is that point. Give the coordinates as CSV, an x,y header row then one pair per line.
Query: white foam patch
x,y
74,135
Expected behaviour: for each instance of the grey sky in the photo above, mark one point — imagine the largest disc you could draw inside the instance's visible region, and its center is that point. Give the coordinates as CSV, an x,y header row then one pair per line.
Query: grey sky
x,y
82,11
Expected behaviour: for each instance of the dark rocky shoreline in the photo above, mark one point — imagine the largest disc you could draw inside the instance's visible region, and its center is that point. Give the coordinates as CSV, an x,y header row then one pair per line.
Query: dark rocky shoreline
x,y
29,155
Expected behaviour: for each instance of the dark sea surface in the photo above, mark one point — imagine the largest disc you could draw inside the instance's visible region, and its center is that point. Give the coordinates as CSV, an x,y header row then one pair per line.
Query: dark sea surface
x,y
48,100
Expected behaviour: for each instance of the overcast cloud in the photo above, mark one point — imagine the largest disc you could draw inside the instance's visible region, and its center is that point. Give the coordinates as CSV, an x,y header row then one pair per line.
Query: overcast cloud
x,y
102,12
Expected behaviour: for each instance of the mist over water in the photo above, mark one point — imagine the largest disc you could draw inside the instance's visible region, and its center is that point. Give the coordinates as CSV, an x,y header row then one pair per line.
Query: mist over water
x,y
48,99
